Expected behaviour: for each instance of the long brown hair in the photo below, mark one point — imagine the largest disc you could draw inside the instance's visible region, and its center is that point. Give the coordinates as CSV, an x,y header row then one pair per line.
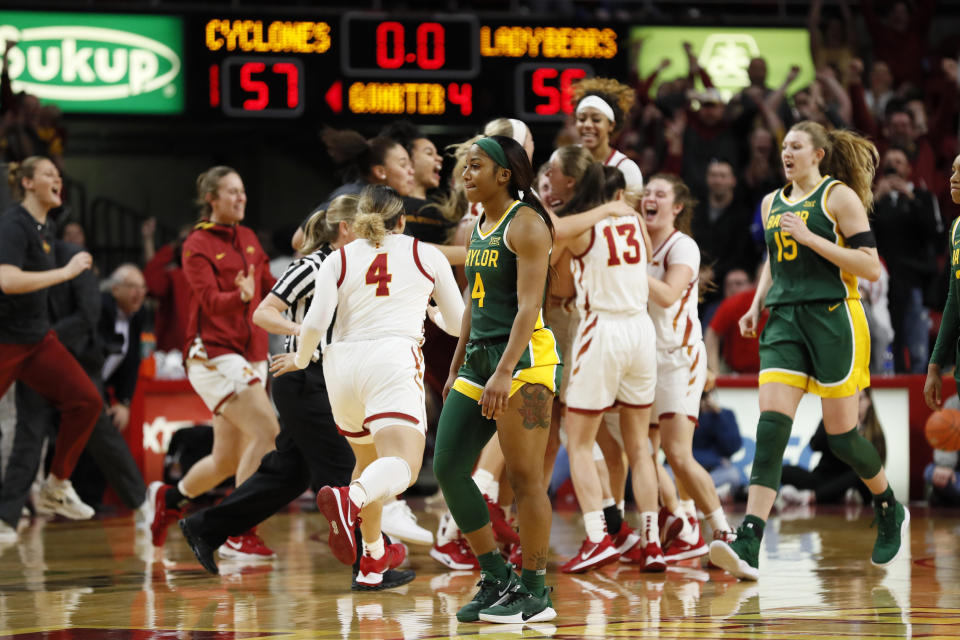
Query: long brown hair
x,y
848,157
682,195
17,171
207,184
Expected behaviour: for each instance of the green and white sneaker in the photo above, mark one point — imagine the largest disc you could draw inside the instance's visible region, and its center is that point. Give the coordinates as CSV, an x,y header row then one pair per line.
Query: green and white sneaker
x,y
521,606
491,591
741,558
893,524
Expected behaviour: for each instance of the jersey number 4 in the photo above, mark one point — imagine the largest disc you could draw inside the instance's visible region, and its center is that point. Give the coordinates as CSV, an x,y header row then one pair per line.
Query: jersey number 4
x,y
377,274
478,292
632,254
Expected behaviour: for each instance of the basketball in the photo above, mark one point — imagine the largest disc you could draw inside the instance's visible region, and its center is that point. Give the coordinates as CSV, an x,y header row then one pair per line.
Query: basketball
x,y
943,429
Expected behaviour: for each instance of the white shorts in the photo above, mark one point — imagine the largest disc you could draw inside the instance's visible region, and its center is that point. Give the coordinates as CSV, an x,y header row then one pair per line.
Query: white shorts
x,y
218,379
681,374
563,319
374,384
614,362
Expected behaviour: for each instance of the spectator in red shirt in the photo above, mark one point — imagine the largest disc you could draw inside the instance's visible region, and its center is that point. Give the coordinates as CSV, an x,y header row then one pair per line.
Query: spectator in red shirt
x,y
740,355
168,285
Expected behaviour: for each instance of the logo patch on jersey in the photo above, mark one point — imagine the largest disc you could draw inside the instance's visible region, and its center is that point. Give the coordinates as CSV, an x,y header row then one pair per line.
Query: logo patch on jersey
x,y
250,249
220,256
810,203
46,247
495,241
833,307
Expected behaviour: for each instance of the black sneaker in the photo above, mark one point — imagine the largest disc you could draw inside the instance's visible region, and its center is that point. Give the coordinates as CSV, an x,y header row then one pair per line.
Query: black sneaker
x,y
391,578
200,548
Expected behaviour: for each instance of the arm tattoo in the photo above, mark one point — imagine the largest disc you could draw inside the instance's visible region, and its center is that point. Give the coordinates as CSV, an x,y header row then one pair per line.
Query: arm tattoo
x,y
536,406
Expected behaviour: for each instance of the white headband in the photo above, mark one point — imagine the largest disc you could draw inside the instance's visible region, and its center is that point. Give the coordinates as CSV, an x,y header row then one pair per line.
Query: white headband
x,y
597,103
519,130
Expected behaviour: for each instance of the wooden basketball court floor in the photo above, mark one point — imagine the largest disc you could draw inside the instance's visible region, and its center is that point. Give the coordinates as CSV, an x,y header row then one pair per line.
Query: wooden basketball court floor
x,y
100,579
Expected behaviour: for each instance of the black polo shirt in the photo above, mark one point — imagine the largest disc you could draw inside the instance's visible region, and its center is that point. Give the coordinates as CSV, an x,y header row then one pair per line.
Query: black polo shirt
x,y
27,244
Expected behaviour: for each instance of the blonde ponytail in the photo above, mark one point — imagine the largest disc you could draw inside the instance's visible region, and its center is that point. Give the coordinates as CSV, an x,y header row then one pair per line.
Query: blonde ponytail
x,y
323,227
378,212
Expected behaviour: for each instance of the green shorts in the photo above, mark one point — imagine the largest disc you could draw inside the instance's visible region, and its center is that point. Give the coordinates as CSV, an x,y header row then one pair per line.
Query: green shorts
x,y
539,364
821,347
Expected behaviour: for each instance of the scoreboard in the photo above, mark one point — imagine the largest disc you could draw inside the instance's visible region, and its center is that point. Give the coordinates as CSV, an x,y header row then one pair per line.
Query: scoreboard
x,y
426,68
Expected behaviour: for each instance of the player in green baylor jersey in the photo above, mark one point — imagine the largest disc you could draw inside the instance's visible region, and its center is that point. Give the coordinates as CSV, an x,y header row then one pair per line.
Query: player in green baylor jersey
x,y
504,375
816,339
946,348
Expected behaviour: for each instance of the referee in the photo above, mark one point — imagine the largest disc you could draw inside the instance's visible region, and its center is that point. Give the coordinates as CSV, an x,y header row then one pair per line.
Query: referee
x,y
310,452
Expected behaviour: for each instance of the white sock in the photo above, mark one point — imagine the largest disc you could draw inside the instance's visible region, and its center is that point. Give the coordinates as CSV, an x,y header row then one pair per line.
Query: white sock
x,y
622,505
53,481
507,510
384,477
689,508
593,523
487,484
374,549
183,490
648,525
608,502
718,521
447,529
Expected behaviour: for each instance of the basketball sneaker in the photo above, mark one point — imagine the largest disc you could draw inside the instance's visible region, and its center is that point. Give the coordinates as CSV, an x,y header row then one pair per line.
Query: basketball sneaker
x,y
591,556
684,549
201,549
492,591
893,524
519,606
58,496
163,516
246,546
455,554
371,575
626,538
653,560
341,512
398,521
670,526
741,558
502,530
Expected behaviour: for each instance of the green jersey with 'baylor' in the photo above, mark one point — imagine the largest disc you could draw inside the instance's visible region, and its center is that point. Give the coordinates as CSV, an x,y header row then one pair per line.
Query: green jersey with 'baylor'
x,y
800,274
491,270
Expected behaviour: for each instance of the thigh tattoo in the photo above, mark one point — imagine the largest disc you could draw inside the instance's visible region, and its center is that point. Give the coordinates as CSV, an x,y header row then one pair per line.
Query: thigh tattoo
x,y
536,402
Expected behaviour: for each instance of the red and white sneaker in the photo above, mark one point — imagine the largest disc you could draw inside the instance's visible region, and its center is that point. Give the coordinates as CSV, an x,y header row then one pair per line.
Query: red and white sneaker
x,y
247,546
162,516
681,549
455,554
653,560
515,557
371,571
502,531
341,512
670,526
591,556
625,539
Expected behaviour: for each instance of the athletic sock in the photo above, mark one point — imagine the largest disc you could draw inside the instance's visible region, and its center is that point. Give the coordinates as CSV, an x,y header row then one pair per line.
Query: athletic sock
x,y
533,580
613,519
493,563
374,549
886,496
755,523
651,532
689,508
718,521
593,523
487,484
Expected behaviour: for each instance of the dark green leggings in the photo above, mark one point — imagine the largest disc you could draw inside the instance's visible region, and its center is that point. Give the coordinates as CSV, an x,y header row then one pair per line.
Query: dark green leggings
x,y
462,434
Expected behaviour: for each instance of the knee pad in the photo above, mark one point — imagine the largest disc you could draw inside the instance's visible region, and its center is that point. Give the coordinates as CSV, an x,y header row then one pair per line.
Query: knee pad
x,y
856,451
773,433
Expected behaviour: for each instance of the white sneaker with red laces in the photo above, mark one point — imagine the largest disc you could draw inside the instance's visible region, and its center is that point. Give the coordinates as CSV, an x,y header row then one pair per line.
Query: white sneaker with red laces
x,y
592,555
455,554
248,546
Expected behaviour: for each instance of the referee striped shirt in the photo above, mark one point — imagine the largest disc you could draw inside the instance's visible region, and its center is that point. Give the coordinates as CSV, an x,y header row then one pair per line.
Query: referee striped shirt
x,y
295,287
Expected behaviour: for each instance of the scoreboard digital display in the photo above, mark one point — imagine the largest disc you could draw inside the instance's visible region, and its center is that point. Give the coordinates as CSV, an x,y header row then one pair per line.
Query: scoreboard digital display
x,y
427,68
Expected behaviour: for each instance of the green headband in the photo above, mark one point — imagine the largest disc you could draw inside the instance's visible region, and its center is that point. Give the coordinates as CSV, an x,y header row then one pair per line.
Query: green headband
x,y
493,149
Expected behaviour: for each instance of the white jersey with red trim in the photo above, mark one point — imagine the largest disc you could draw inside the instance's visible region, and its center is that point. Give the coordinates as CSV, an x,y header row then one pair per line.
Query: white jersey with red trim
x,y
382,291
679,324
629,169
610,276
